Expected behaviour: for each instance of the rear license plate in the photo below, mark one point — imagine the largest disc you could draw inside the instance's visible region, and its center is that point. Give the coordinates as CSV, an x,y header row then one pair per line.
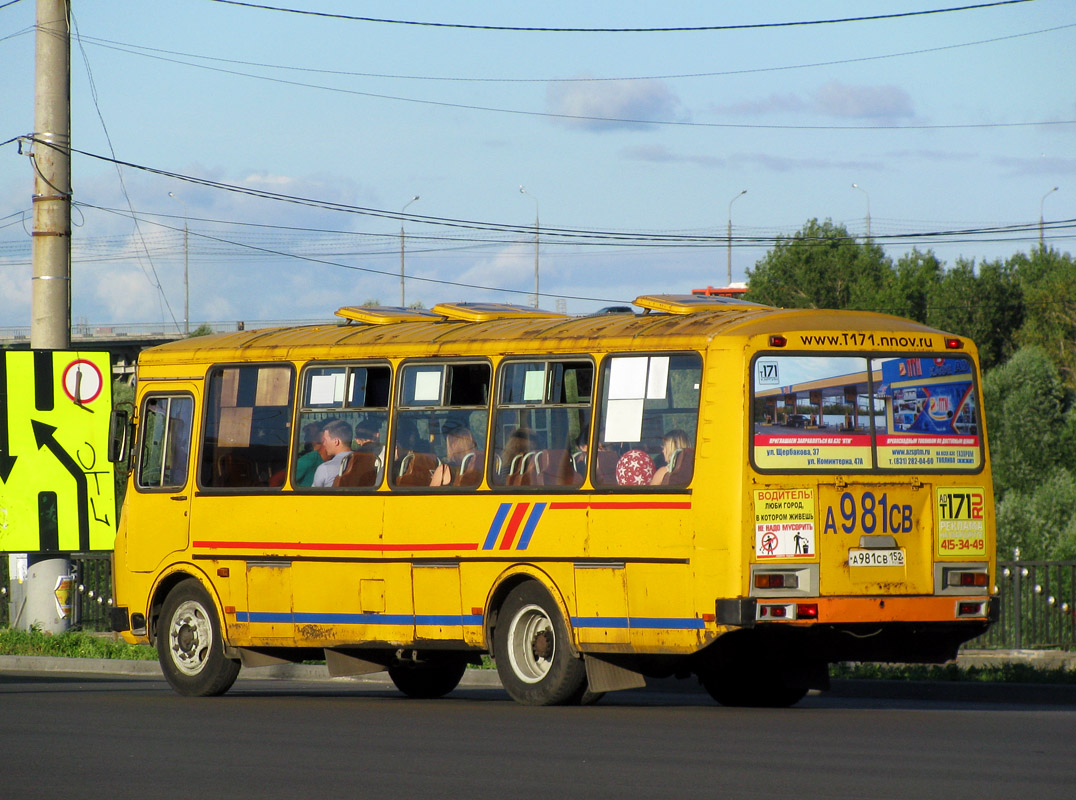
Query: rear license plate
x,y
876,558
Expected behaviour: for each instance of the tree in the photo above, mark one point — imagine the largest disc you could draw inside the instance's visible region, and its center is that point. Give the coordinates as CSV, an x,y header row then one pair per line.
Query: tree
x,y
916,276
986,306
1030,419
202,330
1048,281
821,266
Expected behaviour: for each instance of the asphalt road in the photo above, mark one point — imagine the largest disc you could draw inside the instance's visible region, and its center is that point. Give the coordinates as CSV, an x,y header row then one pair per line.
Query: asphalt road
x,y
106,736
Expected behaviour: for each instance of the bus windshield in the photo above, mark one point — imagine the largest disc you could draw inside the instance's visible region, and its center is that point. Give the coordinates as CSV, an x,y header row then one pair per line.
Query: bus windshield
x,y
854,413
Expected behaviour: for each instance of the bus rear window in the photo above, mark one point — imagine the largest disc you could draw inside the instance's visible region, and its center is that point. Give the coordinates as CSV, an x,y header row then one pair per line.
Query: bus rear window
x,y
840,413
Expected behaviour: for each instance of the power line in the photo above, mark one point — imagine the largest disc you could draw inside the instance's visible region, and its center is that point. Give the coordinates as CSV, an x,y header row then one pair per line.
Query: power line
x,y
675,29
147,52
620,120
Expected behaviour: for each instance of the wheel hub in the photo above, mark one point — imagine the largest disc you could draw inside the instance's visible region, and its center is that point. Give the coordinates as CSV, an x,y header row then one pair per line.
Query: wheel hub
x,y
542,646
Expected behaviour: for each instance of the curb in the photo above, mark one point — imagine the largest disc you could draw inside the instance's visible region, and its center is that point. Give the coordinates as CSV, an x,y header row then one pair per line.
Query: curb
x,y
473,678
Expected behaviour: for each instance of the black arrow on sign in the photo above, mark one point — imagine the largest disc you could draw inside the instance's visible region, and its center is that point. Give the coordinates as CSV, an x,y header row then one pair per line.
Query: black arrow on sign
x,y
44,435
7,461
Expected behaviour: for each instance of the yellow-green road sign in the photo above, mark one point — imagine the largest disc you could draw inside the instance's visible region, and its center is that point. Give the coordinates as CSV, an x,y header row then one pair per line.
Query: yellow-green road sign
x,y
57,487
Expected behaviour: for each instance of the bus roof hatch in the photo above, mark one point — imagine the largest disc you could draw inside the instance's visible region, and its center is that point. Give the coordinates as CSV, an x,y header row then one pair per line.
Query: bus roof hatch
x,y
690,303
484,312
386,315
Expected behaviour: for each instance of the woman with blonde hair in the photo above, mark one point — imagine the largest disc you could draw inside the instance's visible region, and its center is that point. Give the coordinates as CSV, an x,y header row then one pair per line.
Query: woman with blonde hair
x,y
672,443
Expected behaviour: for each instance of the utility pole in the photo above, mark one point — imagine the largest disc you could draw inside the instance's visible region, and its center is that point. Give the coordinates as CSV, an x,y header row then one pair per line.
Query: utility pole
x,y
186,268
51,156
50,325
403,299
729,238
522,190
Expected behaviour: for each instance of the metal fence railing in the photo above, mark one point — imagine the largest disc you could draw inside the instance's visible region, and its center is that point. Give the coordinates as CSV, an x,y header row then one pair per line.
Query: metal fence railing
x,y
1037,603
1038,607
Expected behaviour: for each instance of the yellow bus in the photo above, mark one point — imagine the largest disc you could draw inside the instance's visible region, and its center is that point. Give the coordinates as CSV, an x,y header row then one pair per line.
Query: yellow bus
x,y
710,487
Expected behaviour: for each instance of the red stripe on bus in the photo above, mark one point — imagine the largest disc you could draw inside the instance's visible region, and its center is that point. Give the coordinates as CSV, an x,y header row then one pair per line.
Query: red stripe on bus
x,y
331,546
513,525
626,506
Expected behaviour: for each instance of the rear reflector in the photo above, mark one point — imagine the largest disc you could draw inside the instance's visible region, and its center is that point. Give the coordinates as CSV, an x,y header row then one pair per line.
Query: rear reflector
x,y
807,611
971,609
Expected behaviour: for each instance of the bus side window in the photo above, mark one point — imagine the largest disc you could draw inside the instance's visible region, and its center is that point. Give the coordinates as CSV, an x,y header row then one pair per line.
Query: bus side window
x,y
441,425
355,393
648,421
542,424
165,432
247,429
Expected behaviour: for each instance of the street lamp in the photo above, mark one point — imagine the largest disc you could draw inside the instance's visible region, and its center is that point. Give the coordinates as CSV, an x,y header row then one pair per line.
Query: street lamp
x,y
403,302
857,186
1042,240
186,274
733,200
522,190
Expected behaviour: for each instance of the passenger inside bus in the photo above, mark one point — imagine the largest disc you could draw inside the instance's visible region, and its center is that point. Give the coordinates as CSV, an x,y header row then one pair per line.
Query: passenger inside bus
x,y
336,439
513,458
679,455
461,463
312,456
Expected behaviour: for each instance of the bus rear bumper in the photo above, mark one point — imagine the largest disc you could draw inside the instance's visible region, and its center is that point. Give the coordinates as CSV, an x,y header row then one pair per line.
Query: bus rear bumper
x,y
746,612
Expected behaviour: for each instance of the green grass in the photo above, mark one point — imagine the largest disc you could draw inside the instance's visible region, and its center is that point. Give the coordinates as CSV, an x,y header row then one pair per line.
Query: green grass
x,y
999,673
72,644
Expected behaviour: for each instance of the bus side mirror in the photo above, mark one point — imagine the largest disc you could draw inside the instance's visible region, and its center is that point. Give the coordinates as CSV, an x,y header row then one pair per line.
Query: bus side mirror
x,y
118,428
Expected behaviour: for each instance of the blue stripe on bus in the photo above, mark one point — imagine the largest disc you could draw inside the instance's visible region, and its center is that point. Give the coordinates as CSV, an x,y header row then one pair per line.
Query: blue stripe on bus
x,y
532,523
358,619
637,623
640,623
495,526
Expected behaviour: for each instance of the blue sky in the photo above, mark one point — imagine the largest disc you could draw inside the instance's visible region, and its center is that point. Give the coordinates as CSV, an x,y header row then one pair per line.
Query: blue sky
x,y
636,134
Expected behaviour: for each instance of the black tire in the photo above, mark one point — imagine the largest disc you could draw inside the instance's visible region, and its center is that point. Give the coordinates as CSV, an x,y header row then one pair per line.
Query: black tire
x,y
533,652
435,676
745,685
190,646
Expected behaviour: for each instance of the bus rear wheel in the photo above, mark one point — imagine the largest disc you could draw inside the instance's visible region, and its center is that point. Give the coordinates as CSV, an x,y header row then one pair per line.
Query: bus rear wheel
x,y
190,646
750,685
435,676
532,650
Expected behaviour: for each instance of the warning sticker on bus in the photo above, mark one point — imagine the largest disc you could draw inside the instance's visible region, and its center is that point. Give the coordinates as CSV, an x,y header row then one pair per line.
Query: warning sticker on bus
x,y
961,523
784,523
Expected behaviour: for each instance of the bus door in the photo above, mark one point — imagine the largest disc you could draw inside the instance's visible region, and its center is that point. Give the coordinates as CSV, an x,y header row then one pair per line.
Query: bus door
x,y
162,478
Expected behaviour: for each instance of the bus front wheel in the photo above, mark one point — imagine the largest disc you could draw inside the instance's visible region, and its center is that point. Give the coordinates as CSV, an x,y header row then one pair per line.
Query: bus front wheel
x,y
534,658
190,645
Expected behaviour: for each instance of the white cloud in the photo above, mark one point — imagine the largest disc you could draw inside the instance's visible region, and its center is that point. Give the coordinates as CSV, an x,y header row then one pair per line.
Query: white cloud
x,y
833,99
863,102
598,104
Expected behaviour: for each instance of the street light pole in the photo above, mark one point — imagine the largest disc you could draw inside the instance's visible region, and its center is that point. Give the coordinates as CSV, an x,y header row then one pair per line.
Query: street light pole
x,y
857,186
403,301
186,271
733,200
522,190
1042,238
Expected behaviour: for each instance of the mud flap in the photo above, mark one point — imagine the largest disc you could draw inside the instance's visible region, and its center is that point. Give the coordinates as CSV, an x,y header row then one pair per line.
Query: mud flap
x,y
603,676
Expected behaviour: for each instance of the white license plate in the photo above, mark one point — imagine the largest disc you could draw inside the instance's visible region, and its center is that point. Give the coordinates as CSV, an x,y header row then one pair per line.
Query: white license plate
x,y
876,558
